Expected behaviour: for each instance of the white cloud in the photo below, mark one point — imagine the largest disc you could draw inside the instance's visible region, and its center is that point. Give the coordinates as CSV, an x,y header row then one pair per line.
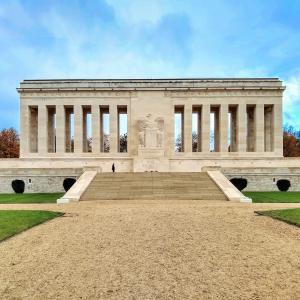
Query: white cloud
x,y
291,101
141,38
292,93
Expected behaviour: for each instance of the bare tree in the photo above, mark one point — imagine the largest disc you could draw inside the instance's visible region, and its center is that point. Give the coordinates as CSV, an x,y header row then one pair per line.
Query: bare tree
x,y
9,143
291,142
123,142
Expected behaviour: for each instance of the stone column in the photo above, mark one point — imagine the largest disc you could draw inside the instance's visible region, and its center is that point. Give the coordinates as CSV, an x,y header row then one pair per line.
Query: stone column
x,y
128,129
84,131
199,147
224,128
78,129
51,129
269,128
60,129
250,129
205,128
68,130
170,132
233,129
33,129
96,128
113,128
217,129
277,130
24,130
259,128
42,129
242,128
187,135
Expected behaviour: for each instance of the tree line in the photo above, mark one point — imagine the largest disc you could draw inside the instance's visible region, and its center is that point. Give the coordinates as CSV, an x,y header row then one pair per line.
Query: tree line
x,y
10,143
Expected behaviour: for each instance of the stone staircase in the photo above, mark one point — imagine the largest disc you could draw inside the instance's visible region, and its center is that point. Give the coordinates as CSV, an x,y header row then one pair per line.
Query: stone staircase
x,y
148,186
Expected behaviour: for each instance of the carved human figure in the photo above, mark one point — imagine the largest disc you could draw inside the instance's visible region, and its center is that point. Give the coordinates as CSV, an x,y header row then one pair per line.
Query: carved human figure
x,y
141,133
149,122
141,138
151,132
160,132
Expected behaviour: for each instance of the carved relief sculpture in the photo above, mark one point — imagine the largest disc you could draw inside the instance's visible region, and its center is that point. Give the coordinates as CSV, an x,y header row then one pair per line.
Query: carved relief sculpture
x,y
151,132
160,132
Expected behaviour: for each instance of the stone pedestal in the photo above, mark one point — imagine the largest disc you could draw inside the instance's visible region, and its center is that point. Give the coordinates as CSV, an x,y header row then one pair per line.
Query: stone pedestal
x,y
151,165
150,137
151,159
150,152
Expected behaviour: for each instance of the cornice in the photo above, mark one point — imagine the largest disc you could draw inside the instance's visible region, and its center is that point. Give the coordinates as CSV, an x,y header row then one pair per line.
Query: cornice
x,y
168,92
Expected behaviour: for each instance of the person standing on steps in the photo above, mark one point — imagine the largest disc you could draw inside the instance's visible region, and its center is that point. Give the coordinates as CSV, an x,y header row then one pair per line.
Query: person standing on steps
x,y
113,168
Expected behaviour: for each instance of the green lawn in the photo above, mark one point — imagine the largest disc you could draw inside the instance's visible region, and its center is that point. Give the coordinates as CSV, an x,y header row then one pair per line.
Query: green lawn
x,y
15,221
274,197
29,198
291,216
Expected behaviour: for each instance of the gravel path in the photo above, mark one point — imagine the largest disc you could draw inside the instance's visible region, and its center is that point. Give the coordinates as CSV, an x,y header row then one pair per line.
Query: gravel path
x,y
153,250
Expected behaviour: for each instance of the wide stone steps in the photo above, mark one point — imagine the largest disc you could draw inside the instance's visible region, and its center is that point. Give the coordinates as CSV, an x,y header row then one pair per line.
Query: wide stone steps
x,y
148,186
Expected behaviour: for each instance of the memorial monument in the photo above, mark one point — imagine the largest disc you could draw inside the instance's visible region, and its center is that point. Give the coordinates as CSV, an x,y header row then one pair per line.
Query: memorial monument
x,y
246,116
158,125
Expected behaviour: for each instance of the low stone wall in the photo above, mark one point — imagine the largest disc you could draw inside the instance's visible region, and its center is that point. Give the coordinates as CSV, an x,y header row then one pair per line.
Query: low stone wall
x,y
37,180
265,179
46,175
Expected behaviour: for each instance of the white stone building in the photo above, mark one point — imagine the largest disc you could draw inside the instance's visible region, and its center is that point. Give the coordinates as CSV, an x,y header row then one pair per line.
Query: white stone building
x,y
164,125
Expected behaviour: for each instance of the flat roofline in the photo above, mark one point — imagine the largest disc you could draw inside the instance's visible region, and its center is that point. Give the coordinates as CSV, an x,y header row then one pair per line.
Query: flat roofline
x,y
148,84
163,79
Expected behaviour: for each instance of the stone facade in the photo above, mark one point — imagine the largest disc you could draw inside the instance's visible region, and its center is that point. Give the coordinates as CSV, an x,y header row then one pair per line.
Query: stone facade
x,y
246,142
253,106
48,175
50,182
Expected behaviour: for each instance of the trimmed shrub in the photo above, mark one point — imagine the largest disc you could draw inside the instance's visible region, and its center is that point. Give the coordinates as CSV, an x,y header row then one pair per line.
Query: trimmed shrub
x,y
283,185
239,183
18,186
68,182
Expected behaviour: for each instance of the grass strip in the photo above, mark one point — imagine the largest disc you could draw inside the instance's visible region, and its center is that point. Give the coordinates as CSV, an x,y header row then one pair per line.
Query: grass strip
x,y
29,198
16,221
290,216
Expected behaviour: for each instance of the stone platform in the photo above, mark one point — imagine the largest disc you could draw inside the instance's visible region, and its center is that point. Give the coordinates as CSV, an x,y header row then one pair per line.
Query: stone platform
x,y
47,175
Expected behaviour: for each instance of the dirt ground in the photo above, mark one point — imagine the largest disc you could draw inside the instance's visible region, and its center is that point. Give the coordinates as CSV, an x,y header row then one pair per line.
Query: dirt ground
x,y
153,250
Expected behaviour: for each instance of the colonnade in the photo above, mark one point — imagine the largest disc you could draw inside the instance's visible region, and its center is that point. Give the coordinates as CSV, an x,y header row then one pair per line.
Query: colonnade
x,y
253,128
237,128
64,128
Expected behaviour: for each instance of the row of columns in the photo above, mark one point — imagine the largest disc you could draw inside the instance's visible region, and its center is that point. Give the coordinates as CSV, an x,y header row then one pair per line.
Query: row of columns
x,y
265,137
266,129
37,128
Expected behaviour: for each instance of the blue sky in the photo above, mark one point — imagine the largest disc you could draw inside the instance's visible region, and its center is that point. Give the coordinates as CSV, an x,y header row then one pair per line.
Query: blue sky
x,y
142,38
